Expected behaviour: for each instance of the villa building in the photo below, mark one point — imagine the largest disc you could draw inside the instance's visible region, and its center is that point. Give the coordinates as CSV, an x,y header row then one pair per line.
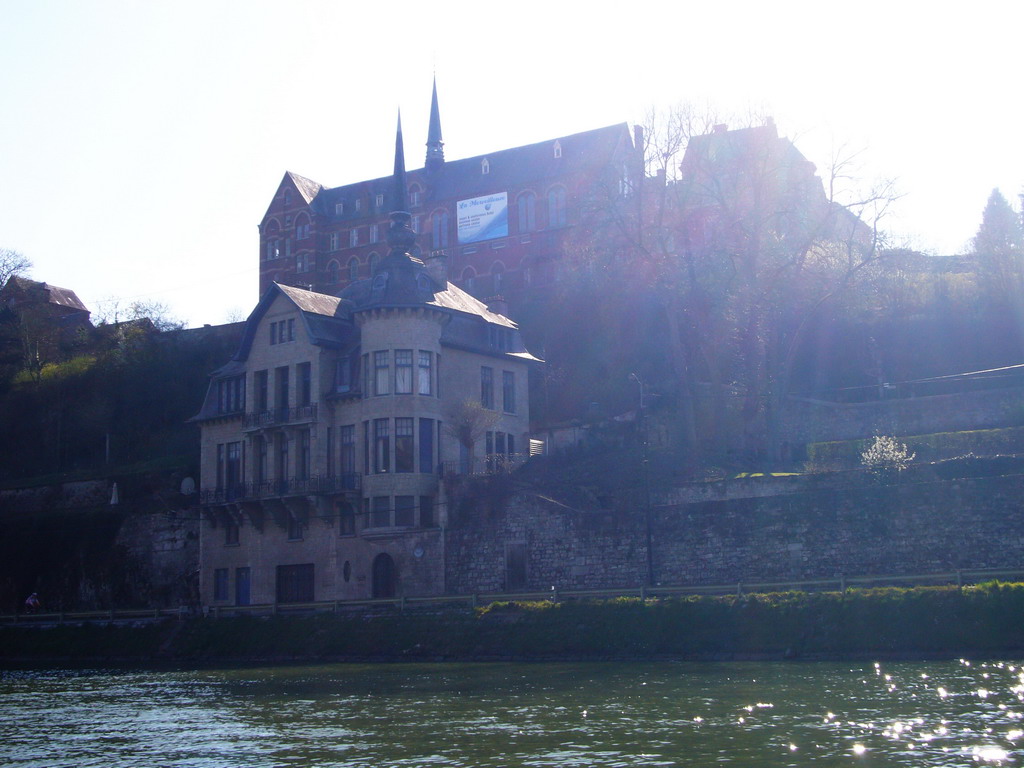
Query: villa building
x,y
325,440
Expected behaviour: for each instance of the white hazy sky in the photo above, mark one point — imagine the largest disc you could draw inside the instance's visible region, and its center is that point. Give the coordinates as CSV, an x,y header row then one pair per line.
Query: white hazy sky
x,y
140,142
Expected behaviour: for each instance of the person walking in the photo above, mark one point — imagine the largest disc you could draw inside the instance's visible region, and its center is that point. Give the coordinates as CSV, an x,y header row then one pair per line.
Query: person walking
x,y
32,604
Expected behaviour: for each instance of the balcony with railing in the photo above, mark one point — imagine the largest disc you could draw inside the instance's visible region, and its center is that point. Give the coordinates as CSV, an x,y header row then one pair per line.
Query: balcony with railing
x,y
298,414
492,464
318,485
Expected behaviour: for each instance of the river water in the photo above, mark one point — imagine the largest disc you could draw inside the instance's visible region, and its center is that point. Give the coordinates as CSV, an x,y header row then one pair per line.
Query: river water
x,y
948,713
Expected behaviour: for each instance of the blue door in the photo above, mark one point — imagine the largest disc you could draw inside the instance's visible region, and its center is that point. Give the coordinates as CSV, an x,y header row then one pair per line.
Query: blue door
x,y
242,582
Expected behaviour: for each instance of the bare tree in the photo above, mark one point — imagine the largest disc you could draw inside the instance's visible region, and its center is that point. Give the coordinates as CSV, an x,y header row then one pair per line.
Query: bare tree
x,y
111,312
742,247
467,421
13,264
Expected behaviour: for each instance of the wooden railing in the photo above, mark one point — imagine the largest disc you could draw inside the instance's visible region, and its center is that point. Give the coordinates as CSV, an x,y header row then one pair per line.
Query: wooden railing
x,y
959,578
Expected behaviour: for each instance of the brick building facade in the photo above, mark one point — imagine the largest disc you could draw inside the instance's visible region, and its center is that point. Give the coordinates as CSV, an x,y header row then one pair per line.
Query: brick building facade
x,y
501,219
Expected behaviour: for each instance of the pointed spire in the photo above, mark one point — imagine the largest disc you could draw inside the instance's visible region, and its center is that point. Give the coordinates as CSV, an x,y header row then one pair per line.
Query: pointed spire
x,y
435,146
399,203
401,238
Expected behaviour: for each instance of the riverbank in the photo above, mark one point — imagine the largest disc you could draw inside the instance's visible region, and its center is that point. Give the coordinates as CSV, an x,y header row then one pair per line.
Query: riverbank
x,y
922,622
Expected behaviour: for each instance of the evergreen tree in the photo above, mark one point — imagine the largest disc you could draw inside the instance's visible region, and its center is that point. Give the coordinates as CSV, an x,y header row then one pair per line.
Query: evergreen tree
x,y
999,250
1000,231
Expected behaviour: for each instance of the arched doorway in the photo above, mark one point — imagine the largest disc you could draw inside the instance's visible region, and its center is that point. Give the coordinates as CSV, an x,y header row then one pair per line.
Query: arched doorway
x,y
385,576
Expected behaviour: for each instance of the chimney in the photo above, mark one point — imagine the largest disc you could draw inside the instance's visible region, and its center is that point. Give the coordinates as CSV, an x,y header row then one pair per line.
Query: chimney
x,y
497,305
436,265
721,128
638,137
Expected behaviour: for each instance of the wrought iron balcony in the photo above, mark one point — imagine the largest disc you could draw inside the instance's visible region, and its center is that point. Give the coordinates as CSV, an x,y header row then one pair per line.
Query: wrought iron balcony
x,y
318,485
278,416
491,464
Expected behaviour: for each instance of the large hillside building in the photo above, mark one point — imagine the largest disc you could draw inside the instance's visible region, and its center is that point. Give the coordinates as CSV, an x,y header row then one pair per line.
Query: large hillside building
x,y
325,438
501,219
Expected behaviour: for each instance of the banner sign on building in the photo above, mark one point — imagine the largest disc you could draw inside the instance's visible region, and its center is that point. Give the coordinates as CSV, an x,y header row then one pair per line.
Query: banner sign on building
x,y
483,218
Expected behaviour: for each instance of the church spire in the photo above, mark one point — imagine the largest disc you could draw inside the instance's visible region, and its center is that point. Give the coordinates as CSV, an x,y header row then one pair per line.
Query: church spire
x,y
435,146
399,191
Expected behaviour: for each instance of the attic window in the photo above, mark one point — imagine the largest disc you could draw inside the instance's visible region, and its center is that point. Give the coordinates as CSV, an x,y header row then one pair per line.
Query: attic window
x,y
359,205
485,167
558,149
380,201
339,208
287,197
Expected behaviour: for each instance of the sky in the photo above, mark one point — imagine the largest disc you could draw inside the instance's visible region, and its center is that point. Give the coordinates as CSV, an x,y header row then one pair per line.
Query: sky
x,y
141,142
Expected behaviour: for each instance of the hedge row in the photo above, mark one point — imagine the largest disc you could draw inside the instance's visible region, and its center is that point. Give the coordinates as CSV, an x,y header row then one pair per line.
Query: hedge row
x,y
985,619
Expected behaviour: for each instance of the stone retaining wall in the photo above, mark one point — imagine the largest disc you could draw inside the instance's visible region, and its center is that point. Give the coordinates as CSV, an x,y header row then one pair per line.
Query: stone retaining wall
x,y
814,531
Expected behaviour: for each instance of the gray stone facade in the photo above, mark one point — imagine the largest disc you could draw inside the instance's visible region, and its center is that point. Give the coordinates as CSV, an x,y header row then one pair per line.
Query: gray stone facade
x,y
803,530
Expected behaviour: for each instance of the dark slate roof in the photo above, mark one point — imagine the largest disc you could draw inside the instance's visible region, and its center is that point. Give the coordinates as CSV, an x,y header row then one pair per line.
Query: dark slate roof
x,y
63,297
308,301
456,299
403,285
325,318
308,188
509,168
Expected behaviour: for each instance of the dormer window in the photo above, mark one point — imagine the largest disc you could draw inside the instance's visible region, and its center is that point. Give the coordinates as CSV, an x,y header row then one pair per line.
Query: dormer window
x,y
231,395
485,167
414,195
558,149
339,209
380,201
359,205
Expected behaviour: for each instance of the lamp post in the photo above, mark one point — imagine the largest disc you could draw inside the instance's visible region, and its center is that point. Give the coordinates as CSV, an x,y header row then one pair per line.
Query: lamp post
x,y
645,472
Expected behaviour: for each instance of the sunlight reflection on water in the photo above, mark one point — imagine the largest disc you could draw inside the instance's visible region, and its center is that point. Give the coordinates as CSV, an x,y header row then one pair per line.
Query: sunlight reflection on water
x,y
490,715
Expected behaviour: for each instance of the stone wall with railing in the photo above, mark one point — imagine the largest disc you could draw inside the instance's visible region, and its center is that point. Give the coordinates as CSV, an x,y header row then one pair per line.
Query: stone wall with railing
x,y
809,530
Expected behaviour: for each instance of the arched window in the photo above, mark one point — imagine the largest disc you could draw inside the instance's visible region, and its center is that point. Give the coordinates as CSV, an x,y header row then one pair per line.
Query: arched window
x,y
556,207
497,276
558,149
271,240
374,258
485,167
439,229
469,279
301,227
353,270
527,212
333,271
414,195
